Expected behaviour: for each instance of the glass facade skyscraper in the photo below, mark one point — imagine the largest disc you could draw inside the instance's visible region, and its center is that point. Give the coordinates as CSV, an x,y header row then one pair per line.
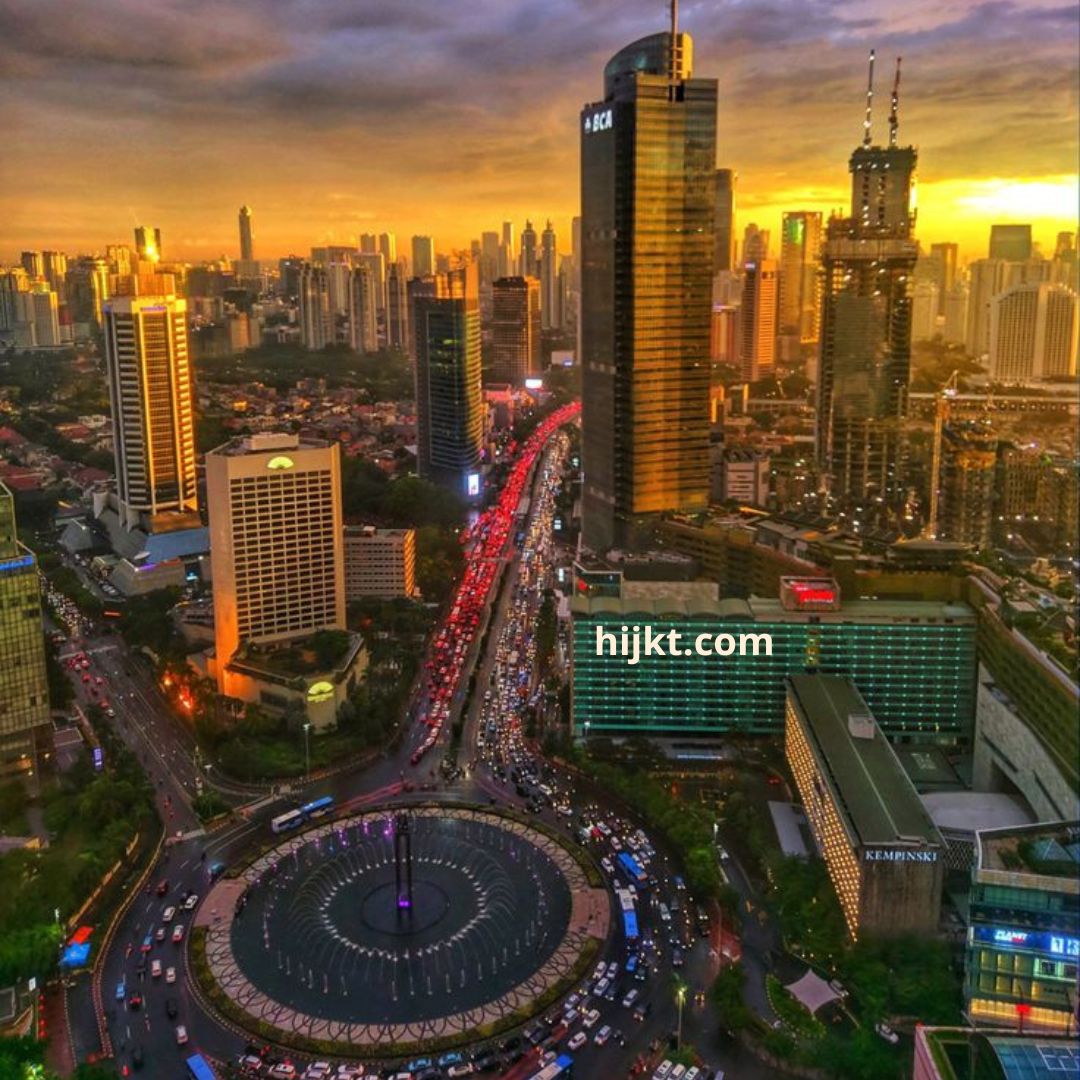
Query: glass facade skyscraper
x,y
648,169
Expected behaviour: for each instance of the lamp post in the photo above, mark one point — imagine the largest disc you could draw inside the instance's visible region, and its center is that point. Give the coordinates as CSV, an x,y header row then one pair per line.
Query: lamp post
x,y
307,748
680,996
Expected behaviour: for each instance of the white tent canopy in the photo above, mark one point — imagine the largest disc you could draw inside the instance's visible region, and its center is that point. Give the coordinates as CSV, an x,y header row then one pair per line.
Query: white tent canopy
x,y
812,991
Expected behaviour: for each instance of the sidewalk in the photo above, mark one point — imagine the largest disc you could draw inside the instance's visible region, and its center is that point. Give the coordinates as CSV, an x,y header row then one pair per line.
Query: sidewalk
x,y
58,1052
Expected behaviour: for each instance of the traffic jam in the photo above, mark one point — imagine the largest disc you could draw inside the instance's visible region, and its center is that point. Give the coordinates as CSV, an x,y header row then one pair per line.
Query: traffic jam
x,y
485,544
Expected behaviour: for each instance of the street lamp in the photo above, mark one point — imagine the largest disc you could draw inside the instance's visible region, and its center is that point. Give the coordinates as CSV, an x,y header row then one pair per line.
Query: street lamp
x,y
307,749
680,996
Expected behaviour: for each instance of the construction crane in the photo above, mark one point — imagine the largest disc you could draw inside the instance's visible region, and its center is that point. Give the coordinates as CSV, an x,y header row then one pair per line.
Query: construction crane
x,y
942,411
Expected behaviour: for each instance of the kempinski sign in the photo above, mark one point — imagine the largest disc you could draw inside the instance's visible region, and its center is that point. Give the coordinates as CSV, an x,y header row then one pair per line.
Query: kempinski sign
x,y
898,855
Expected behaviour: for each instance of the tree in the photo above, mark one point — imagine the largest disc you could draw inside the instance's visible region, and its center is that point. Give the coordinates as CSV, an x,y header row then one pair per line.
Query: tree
x,y
727,995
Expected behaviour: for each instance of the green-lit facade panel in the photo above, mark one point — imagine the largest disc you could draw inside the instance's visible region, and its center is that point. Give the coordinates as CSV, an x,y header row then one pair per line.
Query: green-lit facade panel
x,y
919,679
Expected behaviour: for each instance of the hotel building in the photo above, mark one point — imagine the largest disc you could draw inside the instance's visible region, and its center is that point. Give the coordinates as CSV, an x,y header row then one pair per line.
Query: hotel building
x,y
883,853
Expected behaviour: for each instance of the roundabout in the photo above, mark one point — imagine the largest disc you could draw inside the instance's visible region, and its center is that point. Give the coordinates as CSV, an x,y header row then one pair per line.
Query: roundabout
x,y
399,928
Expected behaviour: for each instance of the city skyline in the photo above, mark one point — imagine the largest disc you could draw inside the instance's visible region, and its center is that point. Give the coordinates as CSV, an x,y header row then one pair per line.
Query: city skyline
x,y
232,96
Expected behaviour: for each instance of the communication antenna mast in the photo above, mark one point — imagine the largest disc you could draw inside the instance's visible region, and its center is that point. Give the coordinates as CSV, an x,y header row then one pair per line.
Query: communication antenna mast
x,y
869,101
894,120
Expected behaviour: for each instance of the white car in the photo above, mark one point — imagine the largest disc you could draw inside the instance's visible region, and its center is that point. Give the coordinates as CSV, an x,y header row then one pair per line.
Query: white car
x,y
155,969
191,901
318,1070
631,997
578,1041
602,1035
662,1070
590,1018
170,973
678,1072
181,1035
282,1071
168,914
178,933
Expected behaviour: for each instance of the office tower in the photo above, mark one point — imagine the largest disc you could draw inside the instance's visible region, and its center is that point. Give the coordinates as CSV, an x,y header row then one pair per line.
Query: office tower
x,y
338,272
755,244
449,390
25,727
506,250
33,264
43,311
968,482
1033,333
150,393
376,263
276,544
316,318
369,243
800,284
865,353
120,259
489,257
987,278
363,310
247,246
397,306
924,310
956,309
1010,242
379,562
388,247
87,288
648,163
724,229
947,256
550,313
148,244
527,264
423,256
289,276
515,330
54,266
757,351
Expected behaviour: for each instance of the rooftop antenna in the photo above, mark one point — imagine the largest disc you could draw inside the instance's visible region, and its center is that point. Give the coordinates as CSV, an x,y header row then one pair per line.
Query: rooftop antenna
x,y
869,101
894,121
673,59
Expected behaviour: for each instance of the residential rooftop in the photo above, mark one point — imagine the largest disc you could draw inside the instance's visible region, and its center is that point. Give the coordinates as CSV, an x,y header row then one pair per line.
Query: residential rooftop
x,y
1049,851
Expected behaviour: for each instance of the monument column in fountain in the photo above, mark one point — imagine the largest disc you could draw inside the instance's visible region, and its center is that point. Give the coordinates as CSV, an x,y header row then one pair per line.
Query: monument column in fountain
x,y
403,862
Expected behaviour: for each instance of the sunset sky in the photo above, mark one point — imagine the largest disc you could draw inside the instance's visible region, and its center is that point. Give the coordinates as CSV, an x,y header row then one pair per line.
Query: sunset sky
x,y
334,117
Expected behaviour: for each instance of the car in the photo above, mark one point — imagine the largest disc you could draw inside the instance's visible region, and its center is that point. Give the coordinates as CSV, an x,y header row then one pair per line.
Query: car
x,y
137,1058
663,1070
162,887
462,1068
318,1070
121,990
283,1070
676,957
168,914
612,970
886,1032
147,944
677,1073
181,1035
171,1008
641,1010
590,1018
349,1072
159,934
578,1041
135,1002
417,1064
693,1073
602,986
155,969
191,901
631,997
170,975
602,1035
452,1057
249,1064
178,933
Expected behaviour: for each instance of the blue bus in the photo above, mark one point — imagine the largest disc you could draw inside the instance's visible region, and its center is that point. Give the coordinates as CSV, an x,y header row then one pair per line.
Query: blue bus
x,y
198,1068
318,808
562,1067
629,919
632,868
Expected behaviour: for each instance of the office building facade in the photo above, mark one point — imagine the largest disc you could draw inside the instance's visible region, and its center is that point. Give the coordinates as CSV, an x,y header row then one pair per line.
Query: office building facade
x,y
1034,331
757,315
724,224
379,563
151,398
515,330
423,256
449,386
884,854
25,727
800,282
1010,242
648,174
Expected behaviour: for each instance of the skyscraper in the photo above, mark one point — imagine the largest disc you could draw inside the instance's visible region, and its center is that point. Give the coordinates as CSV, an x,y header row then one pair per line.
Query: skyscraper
x,y
757,352
423,256
363,310
755,245
276,544
388,247
987,278
150,392
316,318
247,247
33,264
800,284
369,243
947,255
397,306
506,250
25,727
723,231
449,390
55,264
1033,333
490,252
865,353
1010,242
648,164
527,265
148,244
550,313
515,329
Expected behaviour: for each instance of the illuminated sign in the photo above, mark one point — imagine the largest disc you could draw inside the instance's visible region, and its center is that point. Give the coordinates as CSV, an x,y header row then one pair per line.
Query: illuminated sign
x,y
898,855
601,120
534,384
320,691
1038,940
280,462
472,484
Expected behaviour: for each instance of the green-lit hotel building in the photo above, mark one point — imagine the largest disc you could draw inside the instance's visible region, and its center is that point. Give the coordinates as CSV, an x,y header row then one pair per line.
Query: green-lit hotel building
x,y
913,661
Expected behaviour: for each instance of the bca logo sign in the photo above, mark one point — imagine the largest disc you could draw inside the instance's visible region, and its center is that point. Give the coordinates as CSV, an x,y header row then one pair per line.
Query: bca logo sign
x,y
599,121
